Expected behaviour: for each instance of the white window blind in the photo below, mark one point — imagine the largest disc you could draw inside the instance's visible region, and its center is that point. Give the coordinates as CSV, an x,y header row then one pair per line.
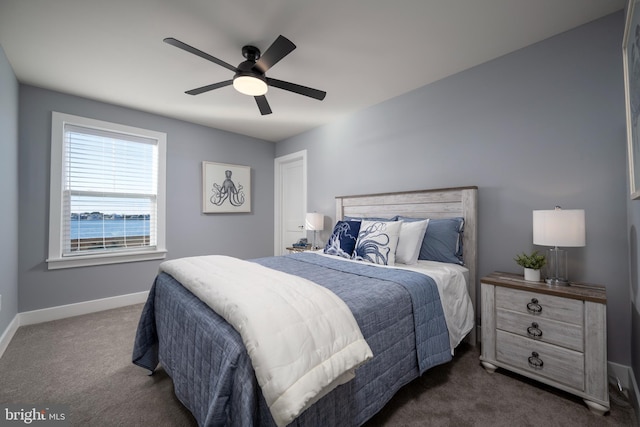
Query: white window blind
x,y
110,182
110,190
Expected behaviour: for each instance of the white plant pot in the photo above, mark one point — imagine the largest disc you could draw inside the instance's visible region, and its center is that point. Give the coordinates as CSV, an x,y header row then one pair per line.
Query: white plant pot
x,y
531,275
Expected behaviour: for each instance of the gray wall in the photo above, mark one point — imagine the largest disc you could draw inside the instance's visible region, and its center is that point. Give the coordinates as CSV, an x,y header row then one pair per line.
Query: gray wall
x,y
189,232
8,192
540,127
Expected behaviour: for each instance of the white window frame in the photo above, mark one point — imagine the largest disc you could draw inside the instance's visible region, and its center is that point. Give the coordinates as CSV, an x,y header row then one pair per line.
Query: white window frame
x,y
56,259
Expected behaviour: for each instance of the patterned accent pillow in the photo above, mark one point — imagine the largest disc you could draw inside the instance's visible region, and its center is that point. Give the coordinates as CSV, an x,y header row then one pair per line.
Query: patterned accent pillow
x,y
343,239
377,242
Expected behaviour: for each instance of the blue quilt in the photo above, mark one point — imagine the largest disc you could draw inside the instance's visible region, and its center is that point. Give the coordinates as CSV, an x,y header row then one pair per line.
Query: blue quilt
x,y
432,336
399,314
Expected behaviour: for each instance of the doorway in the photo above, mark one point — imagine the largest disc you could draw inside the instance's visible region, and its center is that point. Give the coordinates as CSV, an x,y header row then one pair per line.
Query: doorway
x,y
290,200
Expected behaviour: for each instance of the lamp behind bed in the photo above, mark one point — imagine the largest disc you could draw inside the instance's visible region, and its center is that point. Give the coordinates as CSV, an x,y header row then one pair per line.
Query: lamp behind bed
x,y
314,222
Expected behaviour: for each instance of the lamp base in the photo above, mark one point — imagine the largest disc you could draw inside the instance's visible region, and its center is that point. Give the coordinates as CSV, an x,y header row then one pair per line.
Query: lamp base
x,y
556,282
557,267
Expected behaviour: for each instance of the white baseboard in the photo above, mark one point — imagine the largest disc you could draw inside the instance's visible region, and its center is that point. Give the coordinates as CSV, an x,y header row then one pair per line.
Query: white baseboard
x,y
80,308
619,372
69,310
8,334
628,382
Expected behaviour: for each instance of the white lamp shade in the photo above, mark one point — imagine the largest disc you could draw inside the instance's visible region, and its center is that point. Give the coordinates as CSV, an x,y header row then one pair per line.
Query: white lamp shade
x,y
314,221
559,227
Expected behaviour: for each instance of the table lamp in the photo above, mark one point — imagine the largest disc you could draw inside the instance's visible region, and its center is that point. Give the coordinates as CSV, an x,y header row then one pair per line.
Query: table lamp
x,y
314,222
558,227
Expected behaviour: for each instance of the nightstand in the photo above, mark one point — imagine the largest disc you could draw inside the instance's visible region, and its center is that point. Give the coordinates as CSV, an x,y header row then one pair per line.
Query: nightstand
x,y
553,334
294,249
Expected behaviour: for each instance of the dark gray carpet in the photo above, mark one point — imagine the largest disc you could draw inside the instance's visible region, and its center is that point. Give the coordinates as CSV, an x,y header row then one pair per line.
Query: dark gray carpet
x,y
85,362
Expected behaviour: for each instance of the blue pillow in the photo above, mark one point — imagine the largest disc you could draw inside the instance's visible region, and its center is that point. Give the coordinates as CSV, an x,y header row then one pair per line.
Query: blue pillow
x,y
442,241
343,239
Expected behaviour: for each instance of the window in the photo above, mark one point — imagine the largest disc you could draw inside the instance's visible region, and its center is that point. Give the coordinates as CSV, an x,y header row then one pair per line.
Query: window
x,y
107,193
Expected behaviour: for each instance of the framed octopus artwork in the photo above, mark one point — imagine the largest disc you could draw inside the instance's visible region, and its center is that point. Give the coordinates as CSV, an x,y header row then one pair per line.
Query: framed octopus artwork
x,y
225,188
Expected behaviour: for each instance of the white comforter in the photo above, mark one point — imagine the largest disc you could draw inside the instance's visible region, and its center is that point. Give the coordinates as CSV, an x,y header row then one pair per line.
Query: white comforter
x,y
300,351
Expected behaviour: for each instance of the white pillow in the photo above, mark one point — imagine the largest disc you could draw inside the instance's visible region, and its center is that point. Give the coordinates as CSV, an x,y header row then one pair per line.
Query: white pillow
x,y
377,242
410,241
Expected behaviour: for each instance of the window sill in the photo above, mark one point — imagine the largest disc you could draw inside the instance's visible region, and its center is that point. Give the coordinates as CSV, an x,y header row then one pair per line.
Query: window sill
x,y
104,259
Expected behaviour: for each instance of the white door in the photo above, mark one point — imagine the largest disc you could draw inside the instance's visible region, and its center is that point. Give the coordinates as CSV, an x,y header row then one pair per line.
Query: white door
x,y
290,200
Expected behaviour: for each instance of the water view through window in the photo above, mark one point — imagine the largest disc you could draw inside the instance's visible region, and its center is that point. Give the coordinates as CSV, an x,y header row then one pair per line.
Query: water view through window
x,y
96,230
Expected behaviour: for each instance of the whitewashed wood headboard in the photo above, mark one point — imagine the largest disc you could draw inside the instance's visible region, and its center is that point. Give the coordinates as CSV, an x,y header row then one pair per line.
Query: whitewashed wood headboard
x,y
435,203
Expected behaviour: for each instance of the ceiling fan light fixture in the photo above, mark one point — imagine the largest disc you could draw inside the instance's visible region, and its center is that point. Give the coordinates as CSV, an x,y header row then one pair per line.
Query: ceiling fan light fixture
x,y
250,85
249,78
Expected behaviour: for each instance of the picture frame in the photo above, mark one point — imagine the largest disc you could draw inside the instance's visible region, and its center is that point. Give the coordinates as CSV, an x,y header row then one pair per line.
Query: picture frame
x,y
226,188
631,61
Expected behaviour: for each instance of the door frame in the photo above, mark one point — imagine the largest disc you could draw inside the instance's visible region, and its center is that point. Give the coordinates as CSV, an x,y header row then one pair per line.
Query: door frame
x,y
279,162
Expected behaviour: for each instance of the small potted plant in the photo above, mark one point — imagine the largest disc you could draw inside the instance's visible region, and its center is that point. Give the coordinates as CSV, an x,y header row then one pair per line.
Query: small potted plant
x,y
532,263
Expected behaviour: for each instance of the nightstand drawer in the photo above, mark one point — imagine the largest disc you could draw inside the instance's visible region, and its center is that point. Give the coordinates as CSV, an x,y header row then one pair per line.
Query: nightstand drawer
x,y
541,329
541,305
540,359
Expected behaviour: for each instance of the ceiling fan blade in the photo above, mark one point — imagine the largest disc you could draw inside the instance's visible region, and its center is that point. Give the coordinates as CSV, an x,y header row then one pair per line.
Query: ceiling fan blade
x,y
207,88
302,90
201,54
278,50
263,105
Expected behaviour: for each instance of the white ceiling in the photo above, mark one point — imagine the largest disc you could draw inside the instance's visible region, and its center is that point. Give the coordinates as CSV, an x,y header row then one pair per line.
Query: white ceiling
x,y
361,52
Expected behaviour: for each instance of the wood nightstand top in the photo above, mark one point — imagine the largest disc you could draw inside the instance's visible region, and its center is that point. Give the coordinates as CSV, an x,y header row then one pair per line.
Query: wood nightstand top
x,y
298,248
579,291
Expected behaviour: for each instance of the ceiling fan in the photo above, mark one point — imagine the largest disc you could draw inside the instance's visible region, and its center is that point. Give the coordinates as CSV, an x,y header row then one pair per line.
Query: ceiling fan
x,y
250,78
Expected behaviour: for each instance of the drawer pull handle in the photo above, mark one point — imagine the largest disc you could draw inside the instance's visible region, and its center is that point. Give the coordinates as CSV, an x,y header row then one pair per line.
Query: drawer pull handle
x,y
534,331
534,361
534,307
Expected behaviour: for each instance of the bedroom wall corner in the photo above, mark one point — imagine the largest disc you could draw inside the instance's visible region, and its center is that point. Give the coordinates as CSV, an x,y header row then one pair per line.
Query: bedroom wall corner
x,y
9,99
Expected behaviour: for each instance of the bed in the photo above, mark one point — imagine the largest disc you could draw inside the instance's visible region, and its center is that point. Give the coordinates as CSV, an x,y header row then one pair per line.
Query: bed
x,y
410,321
